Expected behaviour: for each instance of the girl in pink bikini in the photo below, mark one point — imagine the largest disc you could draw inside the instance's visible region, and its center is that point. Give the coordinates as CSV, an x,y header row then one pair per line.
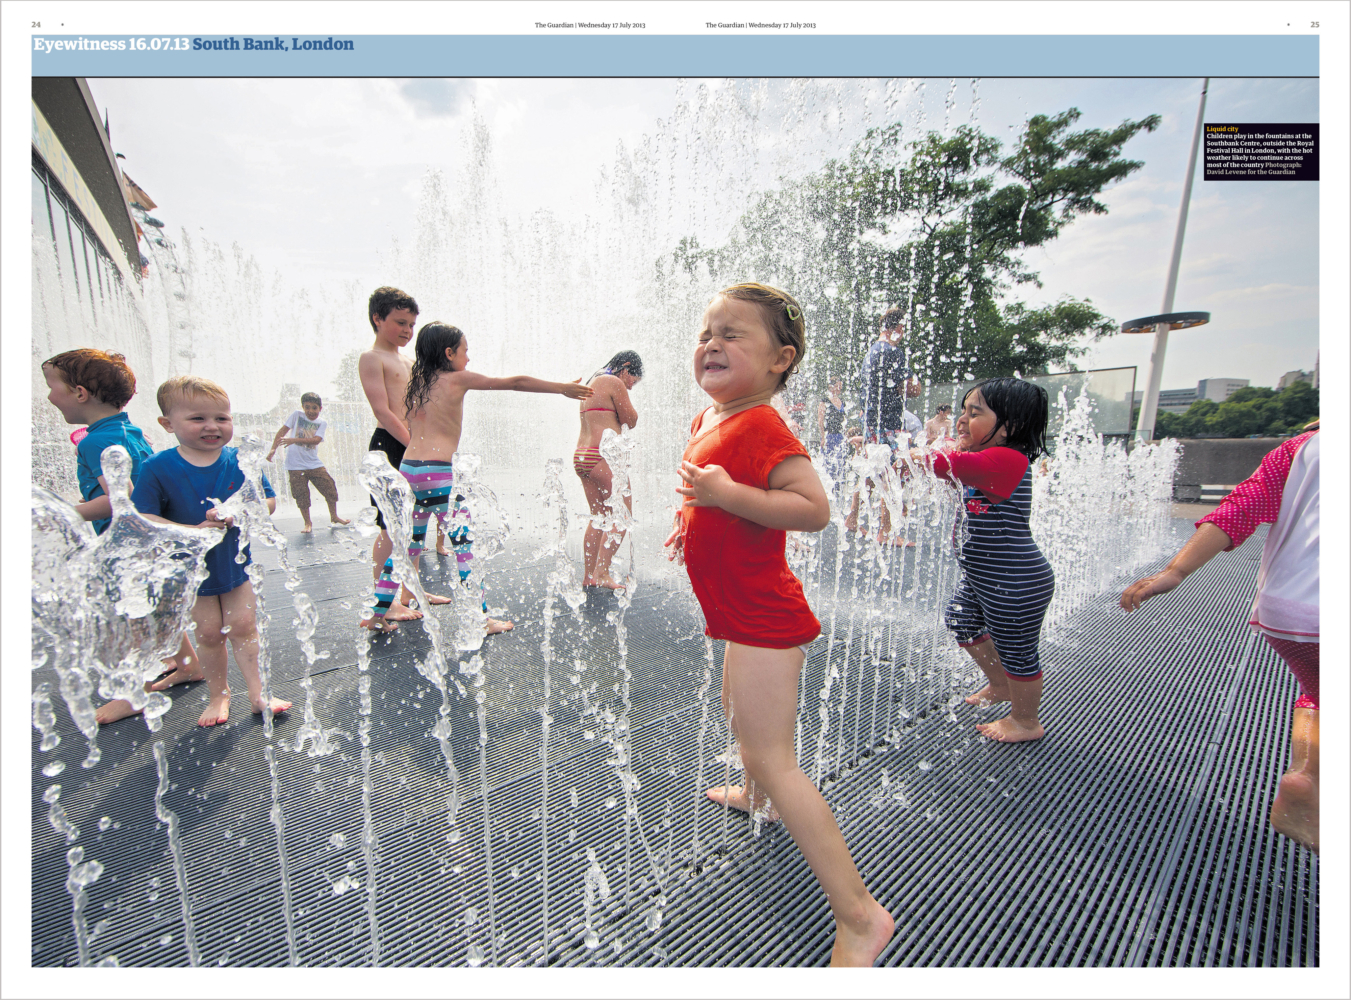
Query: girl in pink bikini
x,y
609,407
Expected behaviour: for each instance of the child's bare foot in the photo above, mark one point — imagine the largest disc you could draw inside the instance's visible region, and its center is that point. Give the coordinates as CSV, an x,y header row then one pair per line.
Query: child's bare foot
x,y
335,519
858,947
402,613
181,675
1006,730
114,711
217,711
441,549
735,797
278,706
1294,814
494,626
437,599
988,696
379,623
608,582
307,528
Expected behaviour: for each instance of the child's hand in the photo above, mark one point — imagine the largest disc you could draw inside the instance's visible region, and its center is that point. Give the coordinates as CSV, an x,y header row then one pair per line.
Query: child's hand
x,y
214,520
575,390
1151,586
676,542
271,453
705,485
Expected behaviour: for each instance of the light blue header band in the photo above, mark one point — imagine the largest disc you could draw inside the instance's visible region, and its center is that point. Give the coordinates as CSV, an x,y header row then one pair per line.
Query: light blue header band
x,y
636,55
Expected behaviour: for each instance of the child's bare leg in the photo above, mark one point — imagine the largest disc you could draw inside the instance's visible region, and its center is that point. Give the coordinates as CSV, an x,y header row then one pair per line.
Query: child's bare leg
x,y
1295,811
1021,724
597,484
238,613
300,491
333,514
186,669
987,658
851,519
739,796
440,540
606,554
762,687
399,611
206,613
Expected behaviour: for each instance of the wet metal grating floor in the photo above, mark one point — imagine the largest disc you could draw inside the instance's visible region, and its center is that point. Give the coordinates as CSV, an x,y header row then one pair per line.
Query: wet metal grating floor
x,y
1134,834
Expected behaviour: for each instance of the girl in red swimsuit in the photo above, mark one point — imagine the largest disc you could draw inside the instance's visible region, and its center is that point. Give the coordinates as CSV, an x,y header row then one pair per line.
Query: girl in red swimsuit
x,y
746,481
610,408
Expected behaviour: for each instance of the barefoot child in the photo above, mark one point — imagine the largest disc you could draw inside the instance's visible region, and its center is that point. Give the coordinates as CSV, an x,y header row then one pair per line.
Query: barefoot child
x,y
434,403
747,481
303,467
384,379
1006,582
175,487
1283,492
91,387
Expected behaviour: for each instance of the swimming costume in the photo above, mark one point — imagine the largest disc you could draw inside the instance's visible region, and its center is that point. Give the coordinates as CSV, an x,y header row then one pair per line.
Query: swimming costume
x,y
383,440
737,567
433,483
600,409
1006,583
585,459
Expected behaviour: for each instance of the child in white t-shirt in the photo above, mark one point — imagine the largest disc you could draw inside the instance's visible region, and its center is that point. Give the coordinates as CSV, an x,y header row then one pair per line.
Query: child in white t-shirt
x,y
302,433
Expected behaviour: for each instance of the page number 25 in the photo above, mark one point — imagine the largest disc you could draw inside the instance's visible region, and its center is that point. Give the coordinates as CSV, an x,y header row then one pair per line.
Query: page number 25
x,y
1313,24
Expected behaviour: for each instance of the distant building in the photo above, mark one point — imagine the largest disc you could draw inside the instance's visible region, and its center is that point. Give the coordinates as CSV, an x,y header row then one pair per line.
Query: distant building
x,y
1178,400
1290,378
1219,389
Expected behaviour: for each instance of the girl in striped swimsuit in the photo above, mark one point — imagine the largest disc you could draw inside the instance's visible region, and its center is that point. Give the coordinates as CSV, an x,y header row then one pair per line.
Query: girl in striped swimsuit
x,y
610,408
435,407
1006,583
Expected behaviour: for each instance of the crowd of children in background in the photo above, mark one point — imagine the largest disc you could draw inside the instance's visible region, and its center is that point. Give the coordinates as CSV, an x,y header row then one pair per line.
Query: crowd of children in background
x,y
746,479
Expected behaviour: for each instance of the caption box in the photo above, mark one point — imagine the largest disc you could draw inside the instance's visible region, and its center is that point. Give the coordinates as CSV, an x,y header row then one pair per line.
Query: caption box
x,y
1261,152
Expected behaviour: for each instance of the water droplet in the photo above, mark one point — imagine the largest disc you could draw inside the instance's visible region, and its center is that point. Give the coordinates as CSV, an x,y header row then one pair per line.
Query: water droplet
x,y
610,802
924,765
474,956
165,938
338,841
104,823
470,917
592,939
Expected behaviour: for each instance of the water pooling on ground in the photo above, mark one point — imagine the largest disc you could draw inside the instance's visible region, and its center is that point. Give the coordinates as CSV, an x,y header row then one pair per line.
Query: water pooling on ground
x,y
608,744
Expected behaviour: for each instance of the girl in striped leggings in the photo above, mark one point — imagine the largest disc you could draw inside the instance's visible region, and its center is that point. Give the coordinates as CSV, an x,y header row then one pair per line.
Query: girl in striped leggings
x,y
435,407
1006,582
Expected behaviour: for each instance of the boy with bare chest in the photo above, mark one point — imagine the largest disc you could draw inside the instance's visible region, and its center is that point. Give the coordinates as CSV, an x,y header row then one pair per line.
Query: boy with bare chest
x,y
384,379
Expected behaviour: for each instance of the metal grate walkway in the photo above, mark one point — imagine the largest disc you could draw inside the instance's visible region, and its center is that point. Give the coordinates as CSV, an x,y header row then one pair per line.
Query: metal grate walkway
x,y
1135,834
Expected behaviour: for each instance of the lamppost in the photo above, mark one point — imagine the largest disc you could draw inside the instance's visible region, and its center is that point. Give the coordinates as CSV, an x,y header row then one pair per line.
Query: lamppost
x,y
1168,320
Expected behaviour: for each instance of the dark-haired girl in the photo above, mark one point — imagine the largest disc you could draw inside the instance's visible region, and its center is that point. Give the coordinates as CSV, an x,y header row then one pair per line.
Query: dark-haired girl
x,y
609,408
435,407
1006,583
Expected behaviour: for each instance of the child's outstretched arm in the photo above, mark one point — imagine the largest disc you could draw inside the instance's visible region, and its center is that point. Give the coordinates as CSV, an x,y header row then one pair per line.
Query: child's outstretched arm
x,y
1208,542
795,500
523,383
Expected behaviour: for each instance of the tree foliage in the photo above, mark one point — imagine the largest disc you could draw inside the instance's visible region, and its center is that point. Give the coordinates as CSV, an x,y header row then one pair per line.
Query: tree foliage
x,y
939,225
1250,411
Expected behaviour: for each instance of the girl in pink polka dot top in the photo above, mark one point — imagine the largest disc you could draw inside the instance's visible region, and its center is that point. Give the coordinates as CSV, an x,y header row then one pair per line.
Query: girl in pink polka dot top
x,y
1283,492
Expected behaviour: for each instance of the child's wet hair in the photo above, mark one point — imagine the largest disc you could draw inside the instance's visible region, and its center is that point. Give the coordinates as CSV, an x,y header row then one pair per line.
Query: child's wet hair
x,y
1021,408
106,375
429,361
783,316
628,361
311,397
385,299
893,318
182,387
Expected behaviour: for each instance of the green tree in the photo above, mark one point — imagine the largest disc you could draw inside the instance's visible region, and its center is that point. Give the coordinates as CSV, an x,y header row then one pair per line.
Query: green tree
x,y
939,225
1252,410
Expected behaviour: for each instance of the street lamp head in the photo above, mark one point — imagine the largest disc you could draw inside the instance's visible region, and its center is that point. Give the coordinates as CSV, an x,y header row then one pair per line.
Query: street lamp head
x,y
1175,321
